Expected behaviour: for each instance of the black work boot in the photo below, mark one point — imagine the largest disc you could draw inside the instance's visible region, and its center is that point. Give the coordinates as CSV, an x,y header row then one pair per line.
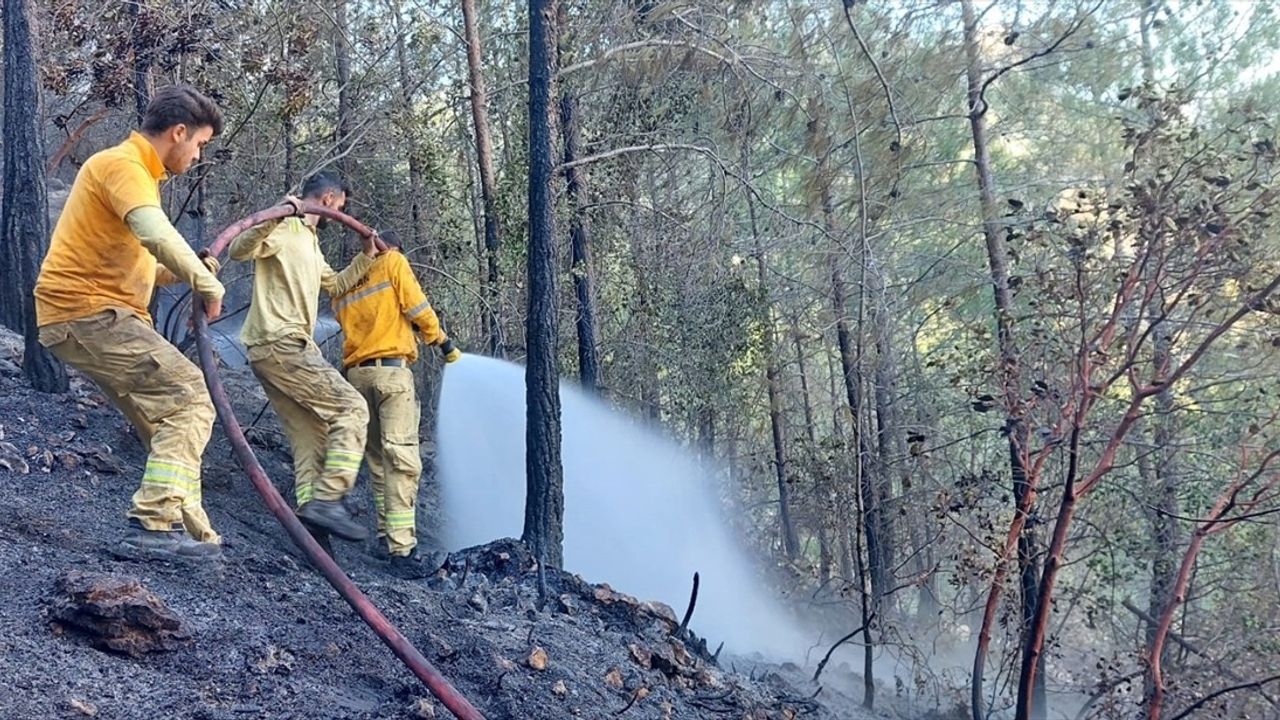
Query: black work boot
x,y
320,535
143,544
415,565
333,516
379,548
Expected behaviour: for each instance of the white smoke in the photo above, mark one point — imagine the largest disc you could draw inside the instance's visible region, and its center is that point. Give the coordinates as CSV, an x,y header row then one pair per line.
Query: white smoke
x,y
639,513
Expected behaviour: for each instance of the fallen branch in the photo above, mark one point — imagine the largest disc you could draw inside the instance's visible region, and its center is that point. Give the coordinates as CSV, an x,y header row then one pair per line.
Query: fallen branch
x,y
635,697
1256,685
822,665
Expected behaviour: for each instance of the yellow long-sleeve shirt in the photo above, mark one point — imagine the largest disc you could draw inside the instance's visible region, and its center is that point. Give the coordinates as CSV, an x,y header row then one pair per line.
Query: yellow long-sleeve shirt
x,y
289,273
378,315
104,250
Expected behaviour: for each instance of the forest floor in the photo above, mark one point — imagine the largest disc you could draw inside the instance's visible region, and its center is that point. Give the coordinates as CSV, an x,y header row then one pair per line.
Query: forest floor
x,y
266,637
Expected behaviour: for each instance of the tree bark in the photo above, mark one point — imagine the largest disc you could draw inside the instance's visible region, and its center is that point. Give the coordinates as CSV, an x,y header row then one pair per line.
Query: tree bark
x,y
417,187
1010,376
24,217
290,153
342,56
890,443
141,60
488,184
544,506
1161,475
810,427
865,491
583,269
773,382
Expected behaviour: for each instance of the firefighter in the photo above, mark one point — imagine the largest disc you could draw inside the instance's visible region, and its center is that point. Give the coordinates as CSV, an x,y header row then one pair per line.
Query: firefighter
x,y
382,319
112,245
324,417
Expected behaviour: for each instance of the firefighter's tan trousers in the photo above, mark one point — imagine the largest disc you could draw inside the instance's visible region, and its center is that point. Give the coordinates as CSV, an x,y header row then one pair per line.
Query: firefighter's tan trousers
x,y
324,418
163,395
395,467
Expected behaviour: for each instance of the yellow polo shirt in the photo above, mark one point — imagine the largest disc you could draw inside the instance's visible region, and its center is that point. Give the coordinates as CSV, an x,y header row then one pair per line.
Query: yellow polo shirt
x,y
378,315
95,260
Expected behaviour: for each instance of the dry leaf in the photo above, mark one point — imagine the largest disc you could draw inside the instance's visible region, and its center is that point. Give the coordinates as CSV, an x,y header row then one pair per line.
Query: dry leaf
x,y
642,656
538,659
613,678
424,709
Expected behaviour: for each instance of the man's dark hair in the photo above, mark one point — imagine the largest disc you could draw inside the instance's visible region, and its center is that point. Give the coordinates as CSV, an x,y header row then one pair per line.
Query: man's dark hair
x,y
181,105
320,183
390,237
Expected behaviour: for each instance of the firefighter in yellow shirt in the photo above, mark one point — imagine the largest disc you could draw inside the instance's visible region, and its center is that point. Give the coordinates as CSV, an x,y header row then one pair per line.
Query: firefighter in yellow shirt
x,y
324,418
378,318
91,305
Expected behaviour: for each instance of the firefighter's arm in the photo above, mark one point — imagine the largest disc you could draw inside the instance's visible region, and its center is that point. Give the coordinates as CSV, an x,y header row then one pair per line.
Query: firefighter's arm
x,y
414,304
257,242
165,277
341,283
160,238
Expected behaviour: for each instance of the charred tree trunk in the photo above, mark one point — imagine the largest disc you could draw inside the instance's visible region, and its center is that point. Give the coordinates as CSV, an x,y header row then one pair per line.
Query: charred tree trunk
x,y
870,571
141,58
810,427
488,183
342,56
290,153
890,443
583,269
24,217
544,507
1010,378
646,366
1165,509
417,187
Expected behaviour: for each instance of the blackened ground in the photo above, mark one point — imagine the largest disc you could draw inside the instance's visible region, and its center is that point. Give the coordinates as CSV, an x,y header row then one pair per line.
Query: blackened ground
x,y
271,639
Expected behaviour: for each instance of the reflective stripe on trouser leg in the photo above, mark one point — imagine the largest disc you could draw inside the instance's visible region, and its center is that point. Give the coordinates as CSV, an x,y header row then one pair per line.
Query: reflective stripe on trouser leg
x,y
166,480
394,463
166,487
159,390
303,493
305,430
325,418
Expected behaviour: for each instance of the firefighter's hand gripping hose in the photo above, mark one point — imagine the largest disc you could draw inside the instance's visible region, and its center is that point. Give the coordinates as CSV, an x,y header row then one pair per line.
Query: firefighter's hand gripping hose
x,y
403,649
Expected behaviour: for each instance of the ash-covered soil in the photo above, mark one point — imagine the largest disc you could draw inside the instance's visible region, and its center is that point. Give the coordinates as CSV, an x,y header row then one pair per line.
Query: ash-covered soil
x,y
266,637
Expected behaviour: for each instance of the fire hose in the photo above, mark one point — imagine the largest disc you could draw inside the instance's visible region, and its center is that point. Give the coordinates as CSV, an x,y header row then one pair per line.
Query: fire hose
x,y
399,644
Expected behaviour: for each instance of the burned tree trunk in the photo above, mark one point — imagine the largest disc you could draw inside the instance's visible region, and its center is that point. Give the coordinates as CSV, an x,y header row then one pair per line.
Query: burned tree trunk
x,y
488,185
342,56
1010,378
24,218
583,270
417,188
871,571
544,504
141,59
